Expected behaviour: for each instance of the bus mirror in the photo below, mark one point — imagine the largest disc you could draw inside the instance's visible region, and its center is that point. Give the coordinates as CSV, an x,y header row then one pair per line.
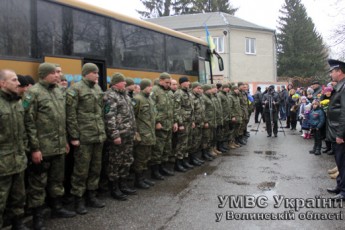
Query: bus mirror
x,y
220,61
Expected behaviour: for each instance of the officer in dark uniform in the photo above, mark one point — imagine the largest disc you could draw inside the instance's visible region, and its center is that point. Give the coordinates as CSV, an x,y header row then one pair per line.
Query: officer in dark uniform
x,y
336,123
271,106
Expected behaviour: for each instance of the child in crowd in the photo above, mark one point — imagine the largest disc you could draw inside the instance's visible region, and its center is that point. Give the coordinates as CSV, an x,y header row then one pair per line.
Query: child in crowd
x,y
317,121
305,121
293,111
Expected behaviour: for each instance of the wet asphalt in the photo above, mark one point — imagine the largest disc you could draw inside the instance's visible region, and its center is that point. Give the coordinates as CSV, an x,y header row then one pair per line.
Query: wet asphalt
x,y
266,169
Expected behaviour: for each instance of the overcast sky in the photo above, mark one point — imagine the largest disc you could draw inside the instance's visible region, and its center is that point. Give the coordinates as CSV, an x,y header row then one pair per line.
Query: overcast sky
x,y
326,14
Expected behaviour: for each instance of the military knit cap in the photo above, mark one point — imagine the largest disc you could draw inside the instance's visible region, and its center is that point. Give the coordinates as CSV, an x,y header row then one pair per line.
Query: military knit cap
x,y
206,87
164,75
145,83
195,84
63,78
183,79
89,68
117,78
234,87
45,69
129,81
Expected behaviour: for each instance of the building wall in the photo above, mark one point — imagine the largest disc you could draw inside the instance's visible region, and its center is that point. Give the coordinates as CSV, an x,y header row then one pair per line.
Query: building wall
x,y
239,66
259,67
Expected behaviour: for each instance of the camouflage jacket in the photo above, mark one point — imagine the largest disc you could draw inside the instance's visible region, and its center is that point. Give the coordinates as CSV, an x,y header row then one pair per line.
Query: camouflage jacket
x,y
164,106
145,117
84,110
199,110
244,104
45,119
118,115
183,107
225,101
219,109
235,107
210,110
12,134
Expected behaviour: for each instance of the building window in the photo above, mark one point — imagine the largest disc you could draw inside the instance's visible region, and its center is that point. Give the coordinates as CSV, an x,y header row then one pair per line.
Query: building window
x,y
250,46
219,42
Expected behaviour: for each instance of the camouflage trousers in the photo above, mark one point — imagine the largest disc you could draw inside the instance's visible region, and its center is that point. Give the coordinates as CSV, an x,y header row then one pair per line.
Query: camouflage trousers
x,y
243,127
195,140
236,129
162,150
12,196
226,131
87,168
118,159
142,154
182,141
46,176
207,138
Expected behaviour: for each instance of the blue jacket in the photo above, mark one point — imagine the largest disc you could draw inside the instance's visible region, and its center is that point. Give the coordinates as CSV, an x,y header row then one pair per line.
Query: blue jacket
x,y
317,118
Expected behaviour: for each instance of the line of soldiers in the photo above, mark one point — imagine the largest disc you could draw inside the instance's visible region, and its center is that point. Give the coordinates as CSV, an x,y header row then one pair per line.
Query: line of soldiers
x,y
112,133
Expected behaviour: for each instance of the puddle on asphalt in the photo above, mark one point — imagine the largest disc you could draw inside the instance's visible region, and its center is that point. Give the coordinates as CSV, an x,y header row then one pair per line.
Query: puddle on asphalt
x,y
267,185
267,152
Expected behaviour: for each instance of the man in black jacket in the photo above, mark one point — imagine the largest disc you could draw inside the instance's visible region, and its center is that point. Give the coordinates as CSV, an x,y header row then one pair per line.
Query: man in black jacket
x,y
271,106
336,123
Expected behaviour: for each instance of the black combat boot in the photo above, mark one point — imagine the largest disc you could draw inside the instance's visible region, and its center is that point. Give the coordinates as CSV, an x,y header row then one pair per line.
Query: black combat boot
x,y
179,167
205,155
186,165
37,219
193,160
115,191
225,145
163,168
198,153
125,189
155,174
59,211
241,141
79,205
220,147
92,200
18,224
139,181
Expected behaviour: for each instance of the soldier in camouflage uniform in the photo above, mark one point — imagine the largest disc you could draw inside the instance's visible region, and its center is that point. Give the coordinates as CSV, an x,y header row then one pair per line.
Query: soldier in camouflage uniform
x,y
225,101
130,86
199,119
209,123
13,160
145,120
183,116
245,119
236,115
218,134
85,127
164,126
120,129
45,123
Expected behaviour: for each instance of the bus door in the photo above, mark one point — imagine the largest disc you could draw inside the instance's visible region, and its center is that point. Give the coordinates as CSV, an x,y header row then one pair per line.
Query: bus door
x,y
205,75
102,80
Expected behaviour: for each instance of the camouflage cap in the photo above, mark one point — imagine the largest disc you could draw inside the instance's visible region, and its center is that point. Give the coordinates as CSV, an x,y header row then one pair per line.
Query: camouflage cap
x,y
225,86
145,83
45,69
117,78
129,81
88,68
164,75
63,78
195,84
206,87
234,86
